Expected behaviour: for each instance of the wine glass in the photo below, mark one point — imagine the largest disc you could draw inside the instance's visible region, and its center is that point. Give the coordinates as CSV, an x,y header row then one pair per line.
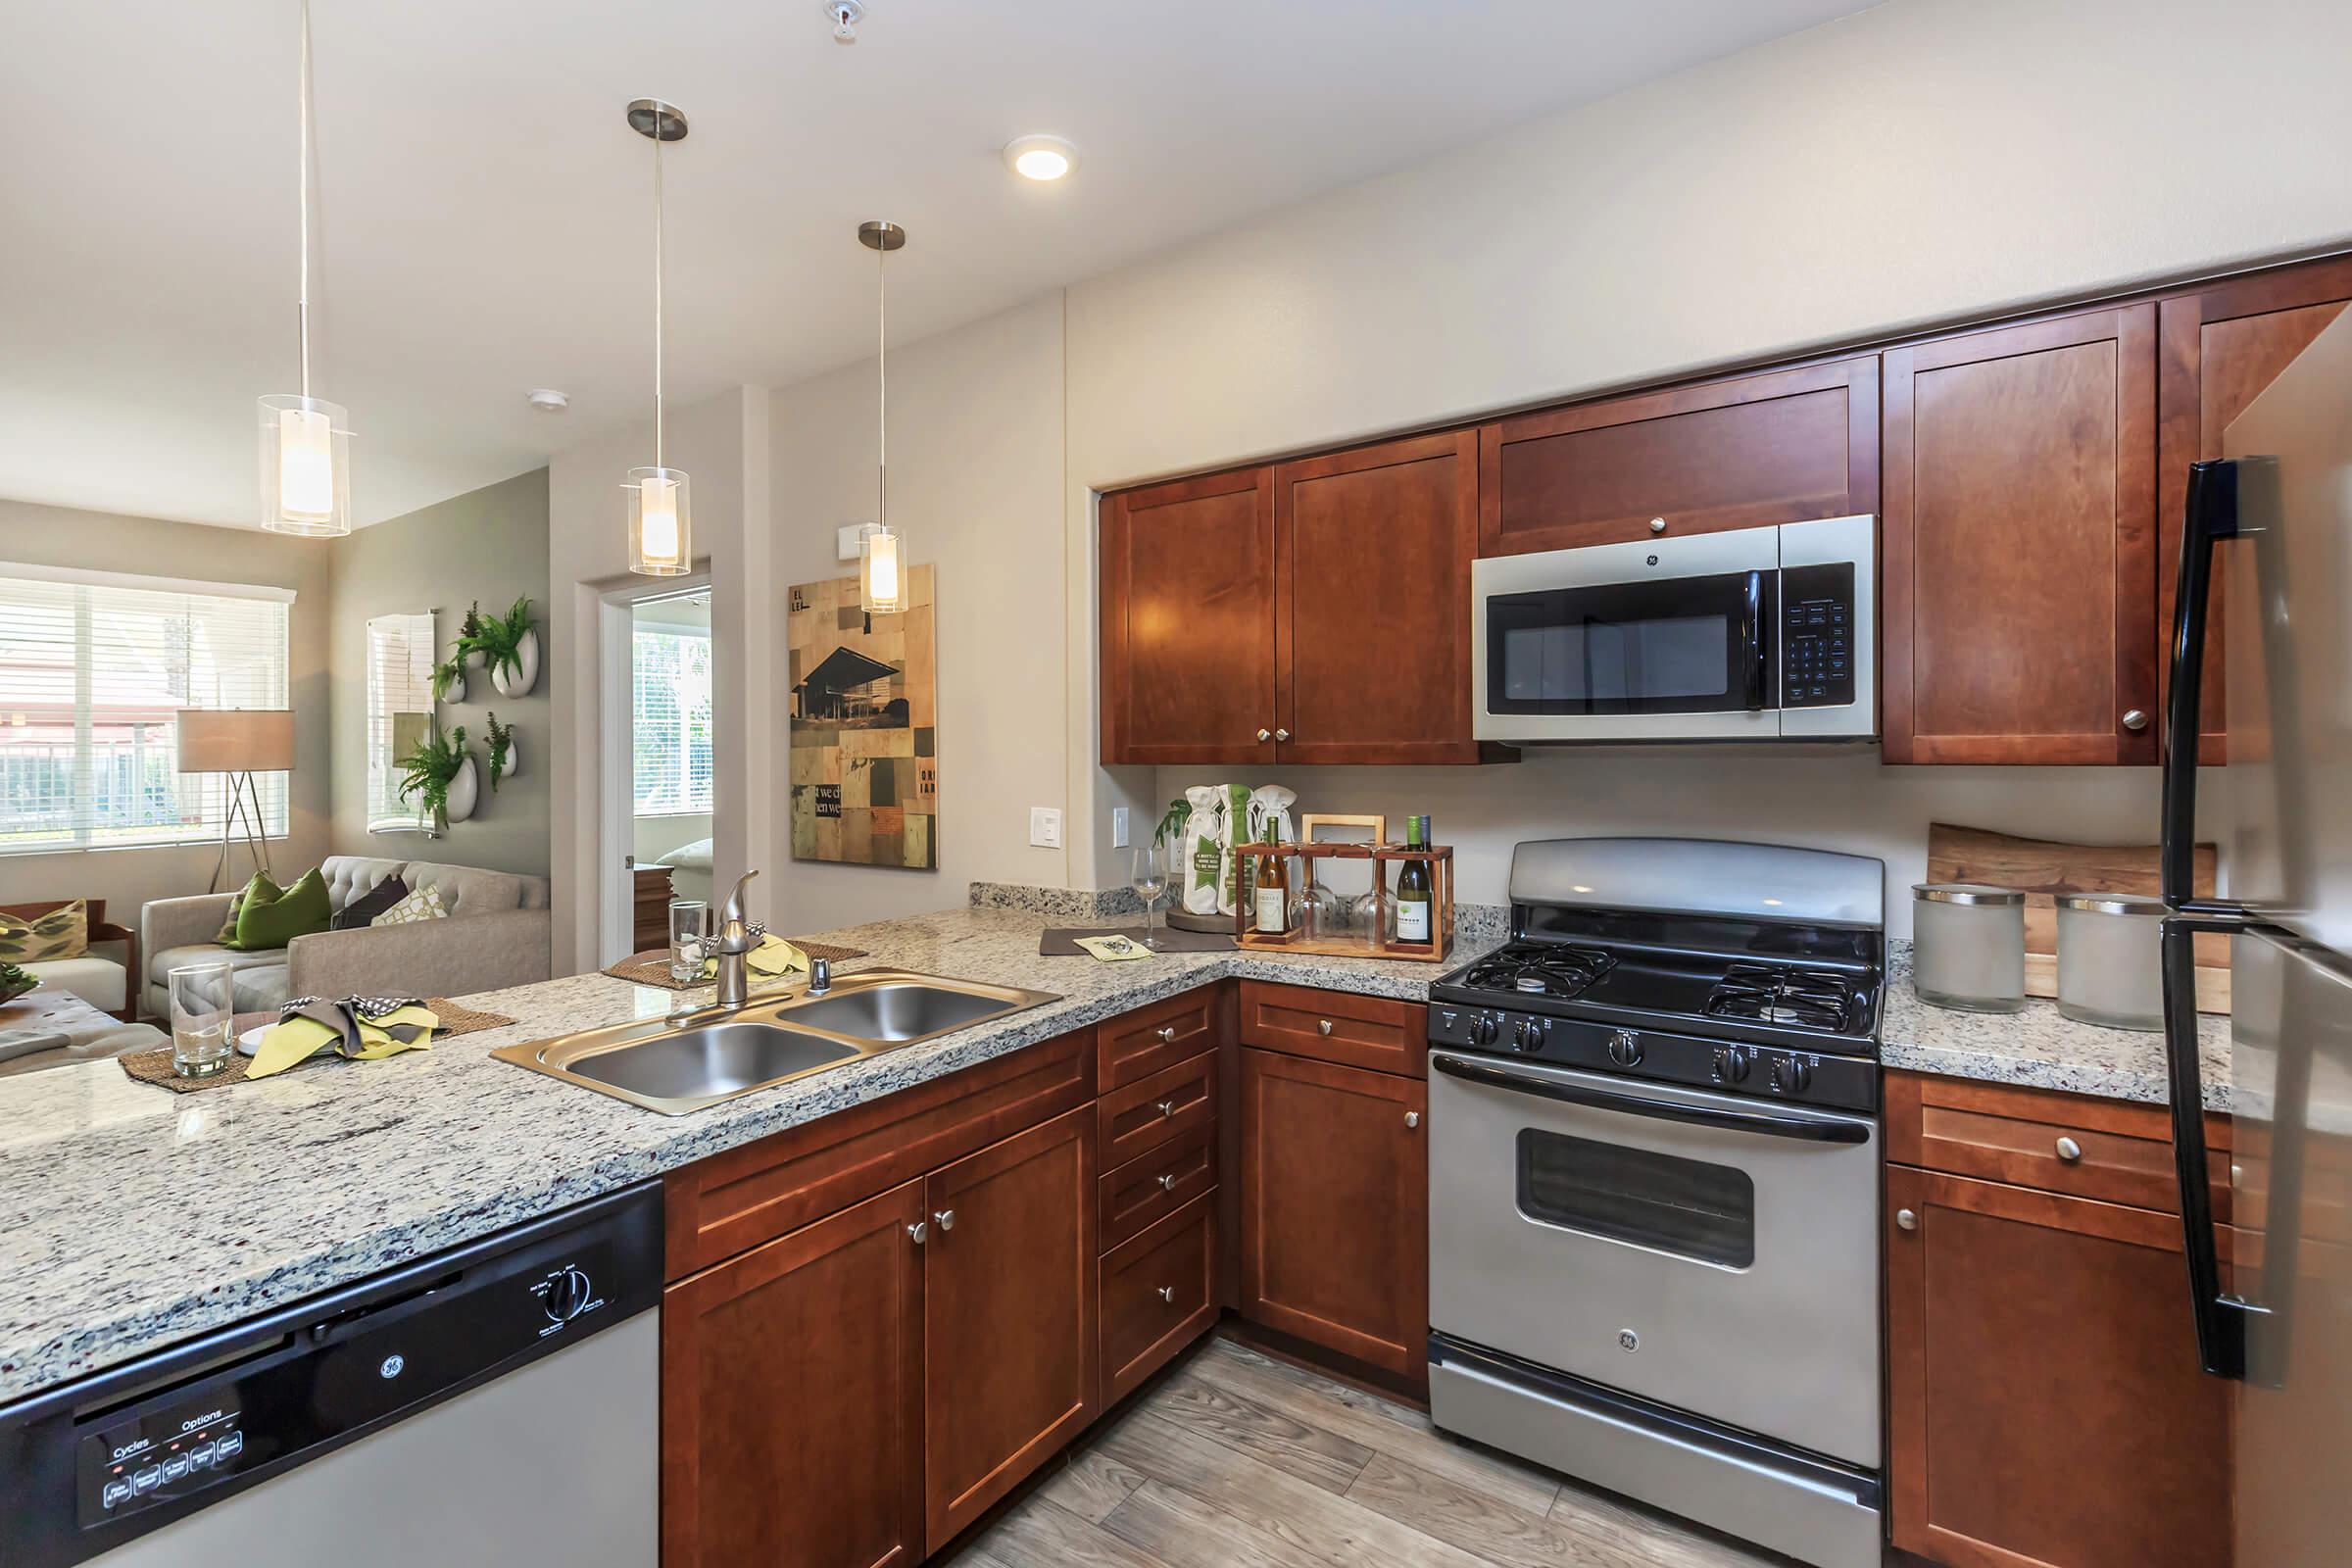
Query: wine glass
x,y
1151,880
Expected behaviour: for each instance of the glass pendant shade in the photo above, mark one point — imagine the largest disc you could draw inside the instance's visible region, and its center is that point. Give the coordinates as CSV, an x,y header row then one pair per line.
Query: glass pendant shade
x,y
660,522
881,582
306,466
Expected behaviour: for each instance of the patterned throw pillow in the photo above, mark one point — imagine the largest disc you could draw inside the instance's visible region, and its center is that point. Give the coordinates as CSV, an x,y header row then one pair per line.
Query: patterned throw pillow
x,y
62,933
364,909
422,905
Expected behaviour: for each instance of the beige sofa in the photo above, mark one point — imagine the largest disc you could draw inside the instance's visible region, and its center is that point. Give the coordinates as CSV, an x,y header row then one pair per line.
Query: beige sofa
x,y
496,935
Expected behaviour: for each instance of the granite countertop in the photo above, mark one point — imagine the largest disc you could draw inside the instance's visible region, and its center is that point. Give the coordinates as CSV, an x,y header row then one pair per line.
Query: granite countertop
x,y
2039,1046
132,1217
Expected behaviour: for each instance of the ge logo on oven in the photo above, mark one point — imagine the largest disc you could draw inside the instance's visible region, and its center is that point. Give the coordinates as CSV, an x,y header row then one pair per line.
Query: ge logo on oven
x,y
1628,1340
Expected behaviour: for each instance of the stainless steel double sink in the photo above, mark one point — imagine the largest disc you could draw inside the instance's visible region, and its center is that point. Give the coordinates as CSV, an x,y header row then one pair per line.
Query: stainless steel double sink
x,y
674,1065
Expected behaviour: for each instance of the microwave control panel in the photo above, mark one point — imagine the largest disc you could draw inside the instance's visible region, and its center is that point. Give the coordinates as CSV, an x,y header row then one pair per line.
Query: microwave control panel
x,y
1817,635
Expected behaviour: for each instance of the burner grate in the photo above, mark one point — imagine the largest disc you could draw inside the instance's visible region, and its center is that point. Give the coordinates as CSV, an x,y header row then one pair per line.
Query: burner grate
x,y
1544,971
1815,998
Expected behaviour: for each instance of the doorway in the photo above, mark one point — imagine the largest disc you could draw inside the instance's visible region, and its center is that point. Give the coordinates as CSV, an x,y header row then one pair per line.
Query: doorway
x,y
660,820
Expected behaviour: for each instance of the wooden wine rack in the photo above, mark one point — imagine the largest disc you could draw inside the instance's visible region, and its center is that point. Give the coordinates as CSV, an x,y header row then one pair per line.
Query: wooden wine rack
x,y
1352,945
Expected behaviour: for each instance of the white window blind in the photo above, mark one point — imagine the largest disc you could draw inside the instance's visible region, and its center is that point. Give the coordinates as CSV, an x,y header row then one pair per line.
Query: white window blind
x,y
672,720
400,711
94,668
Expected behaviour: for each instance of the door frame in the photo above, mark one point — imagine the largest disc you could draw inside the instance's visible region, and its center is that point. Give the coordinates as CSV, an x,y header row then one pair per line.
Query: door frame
x,y
615,935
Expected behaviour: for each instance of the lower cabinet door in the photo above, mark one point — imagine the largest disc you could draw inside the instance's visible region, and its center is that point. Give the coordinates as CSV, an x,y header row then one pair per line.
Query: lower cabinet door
x,y
1008,1327
1335,1209
1159,1295
792,1398
2045,1405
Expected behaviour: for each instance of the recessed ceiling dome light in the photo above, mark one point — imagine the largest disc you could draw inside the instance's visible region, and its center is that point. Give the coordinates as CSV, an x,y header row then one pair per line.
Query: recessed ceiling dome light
x,y
1040,158
546,399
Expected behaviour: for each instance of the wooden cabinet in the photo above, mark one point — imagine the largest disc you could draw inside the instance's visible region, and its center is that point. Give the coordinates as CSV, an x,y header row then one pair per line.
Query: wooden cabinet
x,y
792,1398
1372,552
1008,1315
1158,1295
1316,612
1136,1044
1335,1209
1188,622
1380,1033
2019,580
1784,446
2219,347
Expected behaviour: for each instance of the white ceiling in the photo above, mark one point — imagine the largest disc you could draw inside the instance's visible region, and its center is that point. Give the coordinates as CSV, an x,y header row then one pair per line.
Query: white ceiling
x,y
483,213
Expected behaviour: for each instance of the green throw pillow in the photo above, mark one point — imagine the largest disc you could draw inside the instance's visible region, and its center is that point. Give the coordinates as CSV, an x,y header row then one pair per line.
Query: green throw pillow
x,y
271,917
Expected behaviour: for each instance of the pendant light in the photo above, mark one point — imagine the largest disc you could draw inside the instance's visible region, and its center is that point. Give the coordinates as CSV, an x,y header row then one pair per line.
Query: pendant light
x,y
306,441
881,571
660,525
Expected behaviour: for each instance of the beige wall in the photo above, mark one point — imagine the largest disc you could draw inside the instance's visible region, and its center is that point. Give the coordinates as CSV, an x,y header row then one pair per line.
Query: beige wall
x,y
975,485
488,547
54,536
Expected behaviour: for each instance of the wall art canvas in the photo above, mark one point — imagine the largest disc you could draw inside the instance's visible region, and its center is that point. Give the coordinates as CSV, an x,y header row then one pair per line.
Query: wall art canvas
x,y
864,748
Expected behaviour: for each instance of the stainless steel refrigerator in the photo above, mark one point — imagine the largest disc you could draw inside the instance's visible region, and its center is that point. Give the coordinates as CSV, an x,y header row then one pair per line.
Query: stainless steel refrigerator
x,y
2273,1290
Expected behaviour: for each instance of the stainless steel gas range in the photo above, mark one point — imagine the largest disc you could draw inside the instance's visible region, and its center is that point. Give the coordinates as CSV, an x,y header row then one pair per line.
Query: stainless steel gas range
x,y
1654,1184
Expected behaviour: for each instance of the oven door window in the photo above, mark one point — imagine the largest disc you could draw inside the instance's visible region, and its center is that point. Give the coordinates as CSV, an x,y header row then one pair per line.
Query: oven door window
x,y
1662,1201
1677,645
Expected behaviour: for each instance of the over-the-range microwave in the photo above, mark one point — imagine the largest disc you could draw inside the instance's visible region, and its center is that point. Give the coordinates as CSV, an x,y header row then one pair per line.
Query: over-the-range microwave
x,y
1751,634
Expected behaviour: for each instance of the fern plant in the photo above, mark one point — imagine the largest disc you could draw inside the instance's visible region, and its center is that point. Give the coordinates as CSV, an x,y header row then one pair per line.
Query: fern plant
x,y
449,675
502,746
497,638
427,771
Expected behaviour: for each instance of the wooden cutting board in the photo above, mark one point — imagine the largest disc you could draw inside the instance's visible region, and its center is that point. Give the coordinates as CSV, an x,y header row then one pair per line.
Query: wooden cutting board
x,y
2042,868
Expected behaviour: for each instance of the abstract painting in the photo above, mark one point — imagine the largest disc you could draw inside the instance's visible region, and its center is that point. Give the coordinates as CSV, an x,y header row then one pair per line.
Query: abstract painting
x,y
864,753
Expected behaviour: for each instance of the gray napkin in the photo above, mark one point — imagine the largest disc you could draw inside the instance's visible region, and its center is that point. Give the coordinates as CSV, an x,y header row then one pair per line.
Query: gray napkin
x,y
15,1043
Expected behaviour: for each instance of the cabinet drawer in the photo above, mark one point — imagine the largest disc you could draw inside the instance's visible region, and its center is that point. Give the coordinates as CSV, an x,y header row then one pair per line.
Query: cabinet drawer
x,y
1375,1032
1149,1112
2117,1152
1141,1043
1159,1295
1157,1182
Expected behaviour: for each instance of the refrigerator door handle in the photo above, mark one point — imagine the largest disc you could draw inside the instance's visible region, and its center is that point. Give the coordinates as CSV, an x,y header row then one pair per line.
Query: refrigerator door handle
x,y
2211,517
2221,1318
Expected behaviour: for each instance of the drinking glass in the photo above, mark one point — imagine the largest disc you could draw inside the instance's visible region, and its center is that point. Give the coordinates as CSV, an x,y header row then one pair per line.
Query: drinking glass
x,y
203,1003
1151,880
689,938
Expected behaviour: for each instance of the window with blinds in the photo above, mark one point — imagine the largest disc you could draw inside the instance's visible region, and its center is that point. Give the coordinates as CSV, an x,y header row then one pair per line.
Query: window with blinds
x,y
400,714
94,668
671,723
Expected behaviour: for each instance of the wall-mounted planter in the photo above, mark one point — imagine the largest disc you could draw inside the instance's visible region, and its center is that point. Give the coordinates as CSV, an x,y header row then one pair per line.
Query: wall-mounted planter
x,y
519,681
449,692
465,791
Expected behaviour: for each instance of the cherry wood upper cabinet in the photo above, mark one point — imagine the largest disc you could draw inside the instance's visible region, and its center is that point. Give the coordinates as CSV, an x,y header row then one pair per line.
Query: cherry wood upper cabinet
x,y
792,1398
2045,1400
2019,583
1372,552
1188,620
1784,446
2220,346
1010,1316
1335,1209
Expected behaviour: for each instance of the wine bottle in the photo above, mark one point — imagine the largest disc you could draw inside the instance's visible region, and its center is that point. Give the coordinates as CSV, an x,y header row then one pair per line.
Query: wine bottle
x,y
1273,895
1413,890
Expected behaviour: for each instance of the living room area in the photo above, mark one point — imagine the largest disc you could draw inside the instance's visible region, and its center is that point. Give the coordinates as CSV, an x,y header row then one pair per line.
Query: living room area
x,y
283,766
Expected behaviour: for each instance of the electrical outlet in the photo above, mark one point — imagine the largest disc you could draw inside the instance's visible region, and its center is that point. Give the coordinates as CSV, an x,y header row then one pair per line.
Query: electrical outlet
x,y
1045,828
1118,827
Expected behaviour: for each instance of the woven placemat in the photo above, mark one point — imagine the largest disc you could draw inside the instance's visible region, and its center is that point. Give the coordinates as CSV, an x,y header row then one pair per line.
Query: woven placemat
x,y
154,1067
651,966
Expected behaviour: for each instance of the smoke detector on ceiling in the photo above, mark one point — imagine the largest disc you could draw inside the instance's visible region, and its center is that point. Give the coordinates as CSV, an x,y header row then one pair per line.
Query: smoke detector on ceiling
x,y
546,399
844,14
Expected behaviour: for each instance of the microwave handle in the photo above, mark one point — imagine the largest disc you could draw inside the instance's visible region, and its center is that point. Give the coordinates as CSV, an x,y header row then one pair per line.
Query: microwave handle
x,y
1751,635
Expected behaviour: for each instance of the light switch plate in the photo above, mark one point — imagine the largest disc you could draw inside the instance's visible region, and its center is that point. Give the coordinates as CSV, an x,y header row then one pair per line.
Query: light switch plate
x,y
1045,828
1118,827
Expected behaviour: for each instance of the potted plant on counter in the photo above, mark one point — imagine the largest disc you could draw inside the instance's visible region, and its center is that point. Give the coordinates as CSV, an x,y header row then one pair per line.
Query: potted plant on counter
x,y
506,761
508,644
440,774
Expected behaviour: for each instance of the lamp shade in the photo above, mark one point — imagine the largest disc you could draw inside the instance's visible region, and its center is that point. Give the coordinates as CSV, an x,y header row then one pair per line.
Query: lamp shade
x,y
235,740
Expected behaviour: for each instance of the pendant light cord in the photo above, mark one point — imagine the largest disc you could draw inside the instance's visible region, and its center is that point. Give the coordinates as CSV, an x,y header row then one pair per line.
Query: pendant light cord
x,y
882,384
661,459
302,141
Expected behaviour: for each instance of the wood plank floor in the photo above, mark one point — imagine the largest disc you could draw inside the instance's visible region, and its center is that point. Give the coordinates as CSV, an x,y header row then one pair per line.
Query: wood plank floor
x,y
1242,1461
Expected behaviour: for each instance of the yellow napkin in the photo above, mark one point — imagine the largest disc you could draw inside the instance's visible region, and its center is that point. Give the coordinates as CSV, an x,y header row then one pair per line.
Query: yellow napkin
x,y
1114,949
298,1039
771,957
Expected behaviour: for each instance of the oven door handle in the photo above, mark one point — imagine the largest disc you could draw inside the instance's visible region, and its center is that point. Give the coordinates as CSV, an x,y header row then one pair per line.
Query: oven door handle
x,y
1769,1123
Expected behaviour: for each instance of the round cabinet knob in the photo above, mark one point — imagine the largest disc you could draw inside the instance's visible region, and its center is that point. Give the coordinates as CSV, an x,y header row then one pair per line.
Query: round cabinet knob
x,y
1167,1294
1167,1036
946,1219
1265,734
1905,1219
1281,734
1322,1027
2068,1151
1167,1183
1166,1108
1412,1119
1657,525
2135,720
917,1232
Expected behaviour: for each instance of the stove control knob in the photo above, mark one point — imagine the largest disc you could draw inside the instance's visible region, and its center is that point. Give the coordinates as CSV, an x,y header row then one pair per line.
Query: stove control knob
x,y
1484,1028
1731,1063
1625,1048
1792,1075
1526,1035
